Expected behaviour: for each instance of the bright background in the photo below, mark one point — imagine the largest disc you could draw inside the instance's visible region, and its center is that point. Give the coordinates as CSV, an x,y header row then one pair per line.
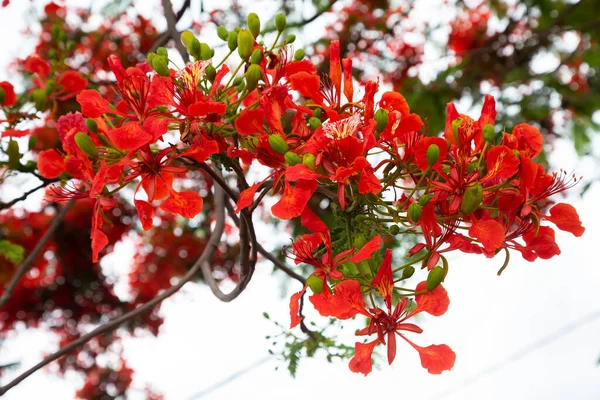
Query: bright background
x,y
530,334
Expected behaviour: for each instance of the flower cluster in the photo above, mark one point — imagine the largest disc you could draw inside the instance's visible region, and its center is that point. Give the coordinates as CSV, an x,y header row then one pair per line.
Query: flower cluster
x,y
473,189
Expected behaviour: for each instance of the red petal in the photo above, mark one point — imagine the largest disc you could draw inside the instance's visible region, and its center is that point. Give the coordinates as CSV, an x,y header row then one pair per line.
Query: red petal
x,y
451,115
501,163
367,250
156,127
335,68
435,302
187,204
529,140
294,199
295,308
384,280
361,362
250,122
15,133
394,101
348,85
203,108
99,242
92,104
308,85
246,197
544,244
369,99
565,218
346,302
368,183
420,151
50,163
72,81
488,112
201,152
436,358
10,97
145,212
310,221
301,171
490,233
130,136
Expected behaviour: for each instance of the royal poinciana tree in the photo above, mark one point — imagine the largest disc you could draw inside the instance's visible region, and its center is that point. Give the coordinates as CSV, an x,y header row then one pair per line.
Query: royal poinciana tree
x,y
372,165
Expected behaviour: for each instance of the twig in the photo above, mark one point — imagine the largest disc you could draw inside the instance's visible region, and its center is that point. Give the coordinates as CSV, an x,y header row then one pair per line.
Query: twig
x,y
212,244
304,22
24,267
172,29
25,195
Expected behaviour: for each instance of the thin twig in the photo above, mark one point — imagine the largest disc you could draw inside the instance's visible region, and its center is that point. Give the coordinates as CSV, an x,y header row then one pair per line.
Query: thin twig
x,y
26,194
24,267
172,29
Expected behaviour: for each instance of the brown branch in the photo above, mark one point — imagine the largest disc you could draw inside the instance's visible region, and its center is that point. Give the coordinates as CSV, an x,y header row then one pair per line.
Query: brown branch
x,y
172,29
26,194
212,244
24,267
302,23
164,37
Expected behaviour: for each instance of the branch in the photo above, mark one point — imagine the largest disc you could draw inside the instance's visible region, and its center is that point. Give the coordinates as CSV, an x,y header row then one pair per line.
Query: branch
x,y
26,194
24,267
299,24
212,244
172,29
164,37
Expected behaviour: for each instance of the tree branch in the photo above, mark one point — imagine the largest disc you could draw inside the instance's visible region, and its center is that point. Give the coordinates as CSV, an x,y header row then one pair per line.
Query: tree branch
x,y
26,194
164,37
172,29
24,267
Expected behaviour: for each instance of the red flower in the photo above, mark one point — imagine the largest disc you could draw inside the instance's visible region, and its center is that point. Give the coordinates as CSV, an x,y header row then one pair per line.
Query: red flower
x,y
9,94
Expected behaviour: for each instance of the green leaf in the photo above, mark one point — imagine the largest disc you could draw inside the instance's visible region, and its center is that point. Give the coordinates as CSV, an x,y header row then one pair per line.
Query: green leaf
x,y
12,252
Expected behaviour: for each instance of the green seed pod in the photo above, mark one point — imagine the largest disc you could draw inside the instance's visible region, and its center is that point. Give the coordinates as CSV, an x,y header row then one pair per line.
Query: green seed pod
x,y
38,97
2,95
314,123
187,37
160,66
278,143
232,40
471,198
256,57
299,55
408,272
435,277
424,199
394,230
317,113
381,117
210,72
360,240
433,154
245,44
309,160
85,143
455,125
280,22
91,125
414,213
161,51
315,284
195,49
32,142
488,133
254,24
291,38
222,33
237,81
151,57
292,158
13,153
205,51
253,75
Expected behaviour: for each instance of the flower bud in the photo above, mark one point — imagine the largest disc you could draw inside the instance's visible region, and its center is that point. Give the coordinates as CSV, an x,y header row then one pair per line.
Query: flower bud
x,y
38,97
240,88
471,198
253,75
210,72
291,38
222,33
317,113
314,122
424,199
186,38
432,155
408,272
256,57
435,277
232,40
455,125
394,230
254,24
91,125
488,133
14,156
237,81
280,22
360,240
50,85
414,212
161,51
32,142
160,66
381,117
309,160
85,143
517,153
2,95
315,284
299,55
206,52
245,44
292,158
195,49
278,143
151,57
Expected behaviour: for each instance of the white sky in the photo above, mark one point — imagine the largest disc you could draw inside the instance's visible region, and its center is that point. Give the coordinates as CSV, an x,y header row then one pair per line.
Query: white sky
x,y
203,341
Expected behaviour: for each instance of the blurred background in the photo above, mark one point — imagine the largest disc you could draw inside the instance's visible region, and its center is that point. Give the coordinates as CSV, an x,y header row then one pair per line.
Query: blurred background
x,y
531,333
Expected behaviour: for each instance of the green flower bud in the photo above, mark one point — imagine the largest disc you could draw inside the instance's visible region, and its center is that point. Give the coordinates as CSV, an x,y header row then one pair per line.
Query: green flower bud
x,y
50,84
394,230
517,153
471,198
408,272
280,22
253,75
85,143
151,57
222,33
237,81
2,95
424,199
488,133
210,72
13,153
256,57
187,37
315,284
318,112
309,159
240,88
52,54
435,277
195,49
232,40
360,240
381,117
291,38
455,125
245,42
292,158
160,66
32,142
205,51
432,155
254,24
278,143
91,125
314,122
299,55
414,213
161,51
38,97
